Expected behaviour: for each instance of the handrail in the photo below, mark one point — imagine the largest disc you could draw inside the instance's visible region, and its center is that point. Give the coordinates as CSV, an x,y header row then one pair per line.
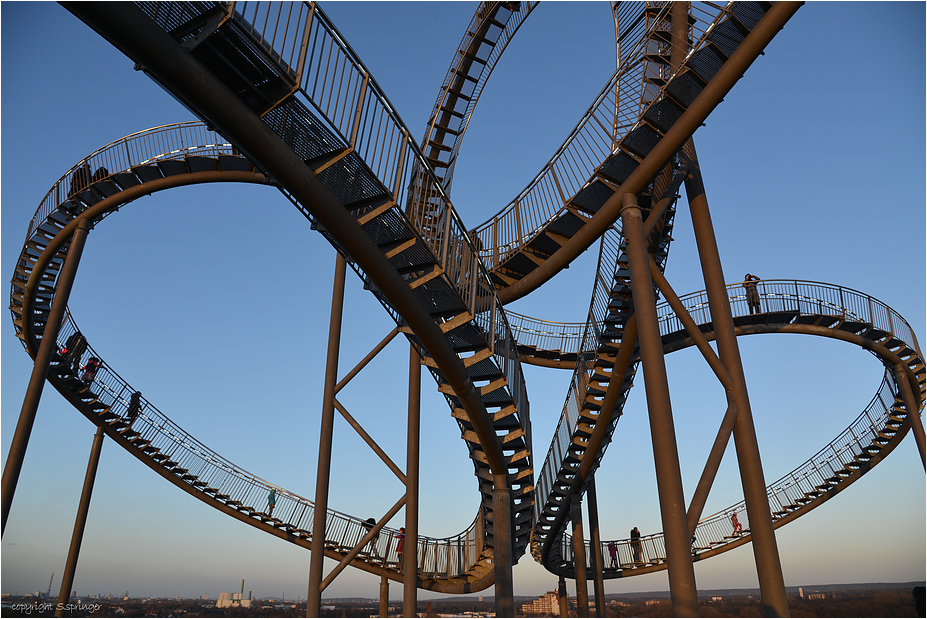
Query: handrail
x,y
567,338
615,112
337,85
167,445
173,141
518,14
223,478
824,470
207,472
786,298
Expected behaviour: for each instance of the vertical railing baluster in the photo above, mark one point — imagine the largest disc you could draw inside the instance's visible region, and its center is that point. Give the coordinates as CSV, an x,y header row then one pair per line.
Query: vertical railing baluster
x,y
304,44
359,108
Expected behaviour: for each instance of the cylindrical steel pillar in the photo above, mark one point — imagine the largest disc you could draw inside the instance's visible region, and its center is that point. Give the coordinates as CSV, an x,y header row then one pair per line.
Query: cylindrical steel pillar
x,y
683,593
82,509
765,549
592,507
502,557
17,453
579,555
384,596
910,404
323,474
410,541
562,598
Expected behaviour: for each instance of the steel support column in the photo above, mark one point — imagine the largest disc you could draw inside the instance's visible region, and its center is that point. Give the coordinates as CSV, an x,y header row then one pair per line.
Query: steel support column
x,y
910,404
765,549
502,557
579,555
384,596
683,593
17,453
323,473
592,507
410,541
67,580
562,599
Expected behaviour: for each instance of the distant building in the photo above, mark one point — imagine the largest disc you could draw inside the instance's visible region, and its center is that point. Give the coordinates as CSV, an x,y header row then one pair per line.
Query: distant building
x,y
547,604
232,600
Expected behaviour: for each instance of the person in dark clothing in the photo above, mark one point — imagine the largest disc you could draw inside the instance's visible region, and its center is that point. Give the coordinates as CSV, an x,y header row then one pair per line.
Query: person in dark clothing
x,y
80,180
753,296
636,545
135,405
100,174
73,350
90,370
371,548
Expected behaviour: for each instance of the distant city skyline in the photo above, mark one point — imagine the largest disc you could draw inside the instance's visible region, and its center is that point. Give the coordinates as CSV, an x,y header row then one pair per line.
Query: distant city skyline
x,y
804,178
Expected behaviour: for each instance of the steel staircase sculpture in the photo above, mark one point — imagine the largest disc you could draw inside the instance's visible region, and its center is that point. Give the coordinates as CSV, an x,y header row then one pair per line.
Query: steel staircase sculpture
x,y
293,71
630,116
486,37
360,150
426,245
786,307
168,157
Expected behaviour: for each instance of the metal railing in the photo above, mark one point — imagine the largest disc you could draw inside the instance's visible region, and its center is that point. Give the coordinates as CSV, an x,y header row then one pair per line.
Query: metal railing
x,y
546,335
205,471
829,467
512,24
802,298
615,112
148,147
333,81
202,469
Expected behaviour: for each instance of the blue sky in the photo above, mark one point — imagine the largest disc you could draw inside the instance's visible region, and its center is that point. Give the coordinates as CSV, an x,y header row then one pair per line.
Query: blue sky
x,y
215,300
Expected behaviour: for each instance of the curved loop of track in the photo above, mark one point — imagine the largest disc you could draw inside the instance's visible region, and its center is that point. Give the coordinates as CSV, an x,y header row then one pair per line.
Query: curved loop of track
x,y
143,163
787,306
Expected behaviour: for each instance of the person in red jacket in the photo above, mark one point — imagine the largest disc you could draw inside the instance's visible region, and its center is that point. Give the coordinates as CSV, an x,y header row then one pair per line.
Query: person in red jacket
x,y
738,528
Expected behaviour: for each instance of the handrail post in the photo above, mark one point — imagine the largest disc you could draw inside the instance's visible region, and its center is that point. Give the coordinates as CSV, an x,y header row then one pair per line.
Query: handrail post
x,y
17,453
357,112
304,44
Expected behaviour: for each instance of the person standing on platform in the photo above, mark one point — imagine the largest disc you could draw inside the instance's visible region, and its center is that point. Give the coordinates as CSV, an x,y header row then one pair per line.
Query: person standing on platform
x,y
636,546
753,296
271,501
